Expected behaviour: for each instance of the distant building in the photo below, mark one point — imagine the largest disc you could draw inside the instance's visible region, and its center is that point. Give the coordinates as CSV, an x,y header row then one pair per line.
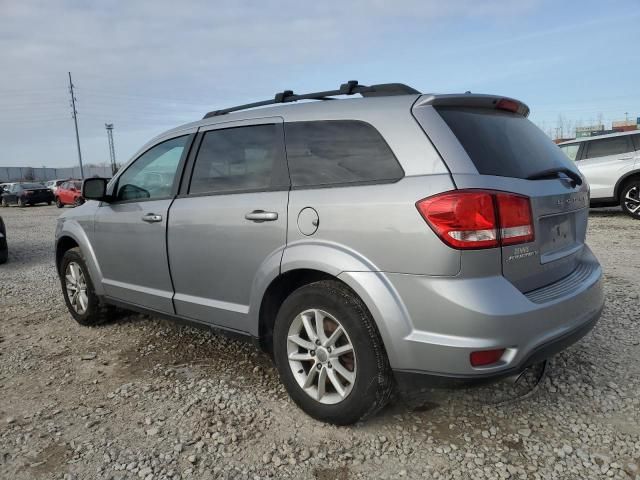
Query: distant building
x,y
625,125
589,131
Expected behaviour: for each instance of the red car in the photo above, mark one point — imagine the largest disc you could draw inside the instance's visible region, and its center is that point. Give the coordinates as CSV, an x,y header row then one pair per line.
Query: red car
x,y
69,193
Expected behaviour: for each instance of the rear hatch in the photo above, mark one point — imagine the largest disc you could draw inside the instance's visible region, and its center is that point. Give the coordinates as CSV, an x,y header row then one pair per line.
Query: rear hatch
x,y
488,143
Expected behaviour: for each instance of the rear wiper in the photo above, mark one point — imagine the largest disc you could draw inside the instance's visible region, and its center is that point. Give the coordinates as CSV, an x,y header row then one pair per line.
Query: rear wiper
x,y
553,172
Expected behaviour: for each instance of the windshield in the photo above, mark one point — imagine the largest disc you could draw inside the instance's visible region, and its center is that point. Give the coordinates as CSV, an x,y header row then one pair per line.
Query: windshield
x,y
503,143
31,185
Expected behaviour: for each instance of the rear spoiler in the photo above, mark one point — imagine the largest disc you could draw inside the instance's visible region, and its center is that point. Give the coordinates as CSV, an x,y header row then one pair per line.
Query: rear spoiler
x,y
474,100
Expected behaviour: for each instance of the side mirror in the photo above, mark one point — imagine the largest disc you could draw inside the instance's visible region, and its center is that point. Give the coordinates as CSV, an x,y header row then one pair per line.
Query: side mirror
x,y
95,189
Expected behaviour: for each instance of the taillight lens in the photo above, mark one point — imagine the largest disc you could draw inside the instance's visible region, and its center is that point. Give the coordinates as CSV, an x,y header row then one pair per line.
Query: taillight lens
x,y
516,222
475,219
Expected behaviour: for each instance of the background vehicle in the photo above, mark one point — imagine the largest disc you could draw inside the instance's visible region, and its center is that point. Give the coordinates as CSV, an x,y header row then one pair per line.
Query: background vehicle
x,y
4,250
399,239
69,193
23,194
54,184
611,164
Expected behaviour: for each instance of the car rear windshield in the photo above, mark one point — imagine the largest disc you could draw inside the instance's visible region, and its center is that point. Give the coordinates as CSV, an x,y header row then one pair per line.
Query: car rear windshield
x,y
502,143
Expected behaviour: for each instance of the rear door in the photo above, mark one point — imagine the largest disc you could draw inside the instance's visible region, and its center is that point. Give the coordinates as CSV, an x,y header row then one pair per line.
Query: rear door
x,y
228,225
604,161
501,150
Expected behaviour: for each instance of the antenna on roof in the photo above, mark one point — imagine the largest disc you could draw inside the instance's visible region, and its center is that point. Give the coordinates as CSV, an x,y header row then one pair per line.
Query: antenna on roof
x,y
352,87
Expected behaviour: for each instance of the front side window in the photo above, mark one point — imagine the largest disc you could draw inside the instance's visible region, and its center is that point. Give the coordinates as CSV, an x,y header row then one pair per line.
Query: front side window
x,y
571,151
152,175
608,146
240,159
335,152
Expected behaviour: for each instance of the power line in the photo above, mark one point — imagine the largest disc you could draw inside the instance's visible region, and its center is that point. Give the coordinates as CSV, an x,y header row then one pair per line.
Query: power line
x,y
75,122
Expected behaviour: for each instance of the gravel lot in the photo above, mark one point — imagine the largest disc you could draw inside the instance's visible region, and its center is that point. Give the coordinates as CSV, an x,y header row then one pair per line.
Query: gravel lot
x,y
144,398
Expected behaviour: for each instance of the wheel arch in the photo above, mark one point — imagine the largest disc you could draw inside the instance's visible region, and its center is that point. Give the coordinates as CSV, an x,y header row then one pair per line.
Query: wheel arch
x,y
74,236
313,261
622,182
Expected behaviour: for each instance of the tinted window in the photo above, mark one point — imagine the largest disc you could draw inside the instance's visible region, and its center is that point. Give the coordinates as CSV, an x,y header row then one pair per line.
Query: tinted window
x,y
242,158
608,146
503,143
338,151
31,185
571,151
636,140
151,175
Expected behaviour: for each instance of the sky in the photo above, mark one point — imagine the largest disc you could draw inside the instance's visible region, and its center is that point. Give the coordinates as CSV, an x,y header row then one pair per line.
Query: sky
x,y
150,66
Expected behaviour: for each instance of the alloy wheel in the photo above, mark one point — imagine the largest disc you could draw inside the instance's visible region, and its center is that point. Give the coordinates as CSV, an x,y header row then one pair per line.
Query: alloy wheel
x,y
321,356
76,286
632,200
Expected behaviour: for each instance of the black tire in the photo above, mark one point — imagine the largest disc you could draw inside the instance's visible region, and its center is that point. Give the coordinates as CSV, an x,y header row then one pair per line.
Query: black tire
x,y
630,199
4,202
96,313
21,203
4,251
49,202
78,201
59,204
373,384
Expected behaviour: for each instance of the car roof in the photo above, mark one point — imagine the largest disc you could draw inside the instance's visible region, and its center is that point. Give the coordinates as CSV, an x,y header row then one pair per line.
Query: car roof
x,y
598,137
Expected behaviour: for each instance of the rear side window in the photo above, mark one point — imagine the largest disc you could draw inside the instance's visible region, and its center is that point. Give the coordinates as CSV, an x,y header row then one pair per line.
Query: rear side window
x,y
239,159
636,141
609,146
502,143
571,151
334,152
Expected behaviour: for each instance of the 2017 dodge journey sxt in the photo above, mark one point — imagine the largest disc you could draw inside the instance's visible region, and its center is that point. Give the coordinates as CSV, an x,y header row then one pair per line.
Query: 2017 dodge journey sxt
x,y
367,244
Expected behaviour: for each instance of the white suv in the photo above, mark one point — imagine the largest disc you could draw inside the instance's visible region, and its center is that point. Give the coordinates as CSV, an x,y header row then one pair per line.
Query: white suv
x,y
611,164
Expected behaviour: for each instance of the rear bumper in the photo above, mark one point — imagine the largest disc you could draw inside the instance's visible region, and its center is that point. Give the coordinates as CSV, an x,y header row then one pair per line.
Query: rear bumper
x,y
452,317
410,382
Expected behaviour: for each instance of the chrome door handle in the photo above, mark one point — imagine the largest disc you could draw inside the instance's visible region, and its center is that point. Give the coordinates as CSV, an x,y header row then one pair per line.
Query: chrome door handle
x,y
261,216
152,218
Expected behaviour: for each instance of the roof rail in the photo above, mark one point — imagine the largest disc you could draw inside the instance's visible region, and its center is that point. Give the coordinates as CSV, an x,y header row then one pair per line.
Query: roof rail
x,y
350,88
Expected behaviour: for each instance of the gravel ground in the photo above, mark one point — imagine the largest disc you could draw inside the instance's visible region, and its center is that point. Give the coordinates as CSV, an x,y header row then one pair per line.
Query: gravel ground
x,y
144,398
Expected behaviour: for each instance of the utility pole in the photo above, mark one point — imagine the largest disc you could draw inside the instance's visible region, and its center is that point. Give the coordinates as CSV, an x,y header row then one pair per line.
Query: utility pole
x,y
74,113
112,150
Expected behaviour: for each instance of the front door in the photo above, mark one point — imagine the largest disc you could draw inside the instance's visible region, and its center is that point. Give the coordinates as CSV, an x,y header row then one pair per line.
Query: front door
x,y
229,221
130,232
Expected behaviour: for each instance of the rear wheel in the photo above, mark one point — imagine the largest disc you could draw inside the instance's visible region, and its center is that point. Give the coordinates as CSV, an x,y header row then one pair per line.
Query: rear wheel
x,y
330,355
78,201
59,204
4,202
78,291
630,199
21,203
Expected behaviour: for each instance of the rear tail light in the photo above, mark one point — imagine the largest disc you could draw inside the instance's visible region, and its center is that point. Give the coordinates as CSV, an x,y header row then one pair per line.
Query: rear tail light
x,y
28,192
482,358
508,105
474,219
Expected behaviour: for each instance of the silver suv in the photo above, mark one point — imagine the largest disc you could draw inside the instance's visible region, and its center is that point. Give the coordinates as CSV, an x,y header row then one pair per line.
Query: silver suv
x,y
611,165
395,241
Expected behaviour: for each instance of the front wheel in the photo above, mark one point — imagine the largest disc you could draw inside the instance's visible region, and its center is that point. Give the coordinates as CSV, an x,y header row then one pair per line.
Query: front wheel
x,y
21,203
4,202
59,204
79,294
630,199
329,354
